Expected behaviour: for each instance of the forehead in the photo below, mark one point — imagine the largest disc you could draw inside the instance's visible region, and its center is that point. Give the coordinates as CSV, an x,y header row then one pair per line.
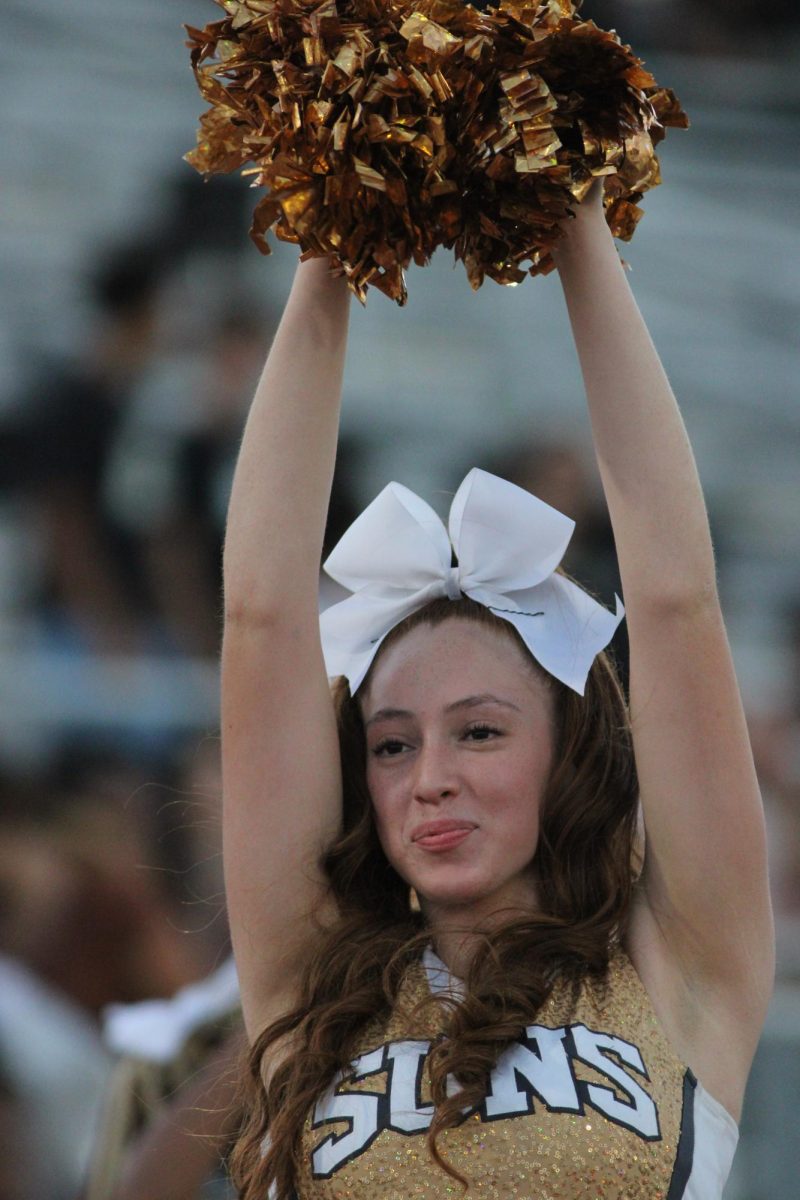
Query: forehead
x,y
437,664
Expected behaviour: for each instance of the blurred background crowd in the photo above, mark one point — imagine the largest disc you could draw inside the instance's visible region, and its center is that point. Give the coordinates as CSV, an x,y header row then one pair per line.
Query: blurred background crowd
x,y
134,318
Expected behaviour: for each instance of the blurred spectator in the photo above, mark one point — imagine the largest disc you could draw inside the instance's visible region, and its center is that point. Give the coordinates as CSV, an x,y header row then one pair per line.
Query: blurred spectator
x,y
15,1183
55,1070
170,469
207,216
85,907
736,27
171,466
63,428
170,1110
91,914
190,844
775,735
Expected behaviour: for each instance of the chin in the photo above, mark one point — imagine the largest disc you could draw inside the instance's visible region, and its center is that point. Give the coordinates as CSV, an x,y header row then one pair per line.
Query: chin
x,y
454,893
462,890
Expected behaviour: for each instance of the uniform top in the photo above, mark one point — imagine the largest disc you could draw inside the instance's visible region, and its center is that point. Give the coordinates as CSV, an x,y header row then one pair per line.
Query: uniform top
x,y
592,1102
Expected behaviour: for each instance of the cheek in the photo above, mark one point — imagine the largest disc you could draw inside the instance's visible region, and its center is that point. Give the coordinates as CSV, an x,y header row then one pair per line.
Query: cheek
x,y
372,779
525,794
389,837
384,811
528,826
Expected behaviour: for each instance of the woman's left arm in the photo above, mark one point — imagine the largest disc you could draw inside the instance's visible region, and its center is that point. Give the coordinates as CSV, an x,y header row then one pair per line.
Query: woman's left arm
x,y
704,886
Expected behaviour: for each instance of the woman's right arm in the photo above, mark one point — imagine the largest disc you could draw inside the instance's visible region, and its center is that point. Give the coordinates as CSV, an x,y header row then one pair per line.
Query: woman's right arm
x,y
281,777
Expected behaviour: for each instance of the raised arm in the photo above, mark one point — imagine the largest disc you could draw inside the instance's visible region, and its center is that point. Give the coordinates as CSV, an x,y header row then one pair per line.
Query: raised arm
x,y
281,779
701,928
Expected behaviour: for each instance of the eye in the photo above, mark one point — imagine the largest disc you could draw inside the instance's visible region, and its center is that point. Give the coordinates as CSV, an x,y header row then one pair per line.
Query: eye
x,y
389,747
482,732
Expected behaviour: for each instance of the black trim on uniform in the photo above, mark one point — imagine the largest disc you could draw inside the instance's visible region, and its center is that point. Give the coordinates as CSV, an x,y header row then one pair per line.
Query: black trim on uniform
x,y
684,1156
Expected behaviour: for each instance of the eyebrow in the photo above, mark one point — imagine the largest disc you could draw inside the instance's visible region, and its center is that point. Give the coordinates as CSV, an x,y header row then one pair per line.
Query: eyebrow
x,y
389,714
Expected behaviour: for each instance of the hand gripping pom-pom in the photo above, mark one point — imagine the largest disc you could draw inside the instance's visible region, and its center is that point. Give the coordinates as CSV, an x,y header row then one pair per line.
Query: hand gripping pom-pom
x,y
381,129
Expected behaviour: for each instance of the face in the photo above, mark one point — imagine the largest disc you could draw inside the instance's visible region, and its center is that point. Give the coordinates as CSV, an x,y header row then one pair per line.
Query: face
x,y
459,746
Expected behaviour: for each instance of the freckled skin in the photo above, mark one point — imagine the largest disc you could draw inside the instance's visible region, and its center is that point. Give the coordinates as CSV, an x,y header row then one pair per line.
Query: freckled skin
x,y
451,753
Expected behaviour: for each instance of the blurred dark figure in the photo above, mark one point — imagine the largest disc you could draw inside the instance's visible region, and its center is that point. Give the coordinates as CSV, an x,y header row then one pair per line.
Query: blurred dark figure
x,y
187,808
84,898
90,915
714,27
171,466
15,1180
64,427
207,216
170,469
775,736
170,1110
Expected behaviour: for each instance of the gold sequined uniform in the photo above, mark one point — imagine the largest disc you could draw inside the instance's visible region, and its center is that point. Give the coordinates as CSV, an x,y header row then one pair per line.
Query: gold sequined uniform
x,y
592,1103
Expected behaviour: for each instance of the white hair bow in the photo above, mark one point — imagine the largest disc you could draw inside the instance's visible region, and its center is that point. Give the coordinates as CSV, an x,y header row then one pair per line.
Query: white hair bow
x,y
397,556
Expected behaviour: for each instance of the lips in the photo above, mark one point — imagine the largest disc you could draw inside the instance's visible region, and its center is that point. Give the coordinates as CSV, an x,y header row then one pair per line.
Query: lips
x,y
439,836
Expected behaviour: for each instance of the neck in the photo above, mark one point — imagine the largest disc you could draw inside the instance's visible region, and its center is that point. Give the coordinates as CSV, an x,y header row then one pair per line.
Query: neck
x,y
457,930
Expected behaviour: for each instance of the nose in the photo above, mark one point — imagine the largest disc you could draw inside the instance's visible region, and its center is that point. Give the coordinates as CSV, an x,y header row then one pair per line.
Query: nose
x,y
435,776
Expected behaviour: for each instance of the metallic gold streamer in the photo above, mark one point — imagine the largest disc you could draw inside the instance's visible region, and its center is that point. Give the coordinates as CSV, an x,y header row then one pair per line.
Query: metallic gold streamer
x,y
383,129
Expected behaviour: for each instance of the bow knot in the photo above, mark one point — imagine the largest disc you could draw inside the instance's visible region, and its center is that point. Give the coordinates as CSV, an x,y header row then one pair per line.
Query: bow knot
x,y
452,584
396,557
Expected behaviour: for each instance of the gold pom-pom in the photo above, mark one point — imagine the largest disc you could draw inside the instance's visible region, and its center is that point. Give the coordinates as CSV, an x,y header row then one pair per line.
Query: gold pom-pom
x,y
382,129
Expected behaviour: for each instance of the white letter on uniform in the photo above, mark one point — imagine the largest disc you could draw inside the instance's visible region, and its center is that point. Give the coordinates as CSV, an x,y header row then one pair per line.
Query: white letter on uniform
x,y
359,1109
641,1114
407,1114
547,1072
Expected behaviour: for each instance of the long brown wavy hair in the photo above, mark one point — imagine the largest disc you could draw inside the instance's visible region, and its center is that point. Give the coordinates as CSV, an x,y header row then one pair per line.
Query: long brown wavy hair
x,y
584,872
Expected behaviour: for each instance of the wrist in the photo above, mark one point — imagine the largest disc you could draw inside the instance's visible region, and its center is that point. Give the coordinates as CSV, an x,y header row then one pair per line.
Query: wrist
x,y
318,270
585,241
318,285
589,220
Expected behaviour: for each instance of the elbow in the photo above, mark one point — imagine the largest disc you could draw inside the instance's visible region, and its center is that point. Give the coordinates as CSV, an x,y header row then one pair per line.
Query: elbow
x,y
676,598
283,617
253,598
243,615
